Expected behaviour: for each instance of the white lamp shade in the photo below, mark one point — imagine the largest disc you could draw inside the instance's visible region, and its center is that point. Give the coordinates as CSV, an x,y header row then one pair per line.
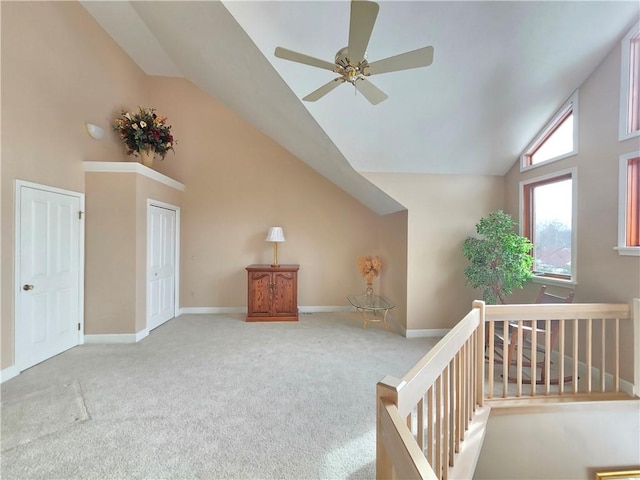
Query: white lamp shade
x,y
275,235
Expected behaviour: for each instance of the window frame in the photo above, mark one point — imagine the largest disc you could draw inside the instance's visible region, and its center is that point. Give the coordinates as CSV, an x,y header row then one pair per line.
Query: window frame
x,y
623,248
525,226
625,87
570,106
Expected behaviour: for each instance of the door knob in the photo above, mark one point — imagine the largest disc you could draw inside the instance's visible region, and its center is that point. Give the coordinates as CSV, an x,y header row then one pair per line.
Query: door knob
x,y
27,287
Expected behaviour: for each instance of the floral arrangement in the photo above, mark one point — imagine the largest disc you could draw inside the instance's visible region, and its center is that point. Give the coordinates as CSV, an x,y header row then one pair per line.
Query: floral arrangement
x,y
144,130
369,267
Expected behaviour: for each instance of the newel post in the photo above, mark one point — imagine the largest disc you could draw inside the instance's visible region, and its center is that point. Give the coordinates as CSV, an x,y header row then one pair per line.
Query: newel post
x,y
480,352
388,389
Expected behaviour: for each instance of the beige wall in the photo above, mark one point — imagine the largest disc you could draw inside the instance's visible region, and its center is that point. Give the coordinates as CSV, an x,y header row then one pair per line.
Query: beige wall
x,y
110,253
443,211
116,249
240,183
602,274
393,249
59,71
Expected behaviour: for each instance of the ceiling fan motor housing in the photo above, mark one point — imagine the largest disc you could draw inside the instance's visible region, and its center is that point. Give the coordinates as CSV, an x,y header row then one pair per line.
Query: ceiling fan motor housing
x,y
348,68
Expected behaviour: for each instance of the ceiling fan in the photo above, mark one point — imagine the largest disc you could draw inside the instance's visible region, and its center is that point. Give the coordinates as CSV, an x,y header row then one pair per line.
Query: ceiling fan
x,y
351,61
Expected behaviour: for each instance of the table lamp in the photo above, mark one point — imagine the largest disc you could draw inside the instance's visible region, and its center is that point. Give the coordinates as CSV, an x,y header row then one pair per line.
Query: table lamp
x,y
276,236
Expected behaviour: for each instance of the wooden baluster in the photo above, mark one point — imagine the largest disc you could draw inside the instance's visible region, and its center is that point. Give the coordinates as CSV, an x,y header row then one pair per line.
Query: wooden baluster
x,y
445,423
546,374
603,375
575,356
463,389
616,367
534,358
469,376
459,401
472,373
519,360
430,417
589,352
561,359
491,365
438,422
453,410
505,359
420,417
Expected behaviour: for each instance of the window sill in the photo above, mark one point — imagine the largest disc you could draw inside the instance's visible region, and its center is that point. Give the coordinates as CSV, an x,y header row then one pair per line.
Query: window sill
x,y
628,251
553,281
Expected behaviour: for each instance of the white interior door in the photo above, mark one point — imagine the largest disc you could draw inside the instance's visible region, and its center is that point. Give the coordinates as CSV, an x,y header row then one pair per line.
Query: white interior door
x,y
161,265
49,276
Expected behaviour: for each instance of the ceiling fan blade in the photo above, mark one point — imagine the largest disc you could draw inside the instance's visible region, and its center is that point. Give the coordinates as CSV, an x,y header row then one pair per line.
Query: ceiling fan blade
x,y
363,17
301,58
370,91
323,90
423,57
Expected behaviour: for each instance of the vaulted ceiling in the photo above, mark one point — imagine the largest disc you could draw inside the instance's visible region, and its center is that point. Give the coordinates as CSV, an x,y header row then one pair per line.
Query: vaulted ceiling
x,y
500,70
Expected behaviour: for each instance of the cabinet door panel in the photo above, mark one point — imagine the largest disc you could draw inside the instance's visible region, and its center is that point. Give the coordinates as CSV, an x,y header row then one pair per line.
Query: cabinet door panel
x,y
260,289
285,299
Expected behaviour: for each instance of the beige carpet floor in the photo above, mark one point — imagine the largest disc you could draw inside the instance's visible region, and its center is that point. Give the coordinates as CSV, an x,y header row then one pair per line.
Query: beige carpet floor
x,y
207,396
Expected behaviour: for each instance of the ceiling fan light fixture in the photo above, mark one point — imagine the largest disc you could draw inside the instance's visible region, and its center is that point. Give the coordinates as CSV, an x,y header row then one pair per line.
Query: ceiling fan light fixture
x,y
351,74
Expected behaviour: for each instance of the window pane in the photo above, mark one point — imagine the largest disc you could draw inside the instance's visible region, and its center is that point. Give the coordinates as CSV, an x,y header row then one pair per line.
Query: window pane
x,y
558,143
633,202
634,85
552,228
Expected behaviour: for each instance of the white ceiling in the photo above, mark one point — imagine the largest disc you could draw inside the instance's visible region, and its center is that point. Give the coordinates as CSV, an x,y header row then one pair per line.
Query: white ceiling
x,y
500,70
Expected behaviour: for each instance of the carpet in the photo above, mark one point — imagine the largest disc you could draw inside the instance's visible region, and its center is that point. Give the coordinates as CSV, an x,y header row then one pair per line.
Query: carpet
x,y
44,412
208,396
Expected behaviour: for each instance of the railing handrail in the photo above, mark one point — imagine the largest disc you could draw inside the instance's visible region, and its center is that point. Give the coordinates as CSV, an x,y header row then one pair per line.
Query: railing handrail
x,y
430,367
557,311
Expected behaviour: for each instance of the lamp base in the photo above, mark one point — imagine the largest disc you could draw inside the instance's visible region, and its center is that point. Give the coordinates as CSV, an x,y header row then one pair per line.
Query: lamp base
x,y
274,266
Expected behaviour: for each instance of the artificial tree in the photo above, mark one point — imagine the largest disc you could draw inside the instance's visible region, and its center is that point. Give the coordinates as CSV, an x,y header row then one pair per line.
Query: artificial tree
x,y
501,261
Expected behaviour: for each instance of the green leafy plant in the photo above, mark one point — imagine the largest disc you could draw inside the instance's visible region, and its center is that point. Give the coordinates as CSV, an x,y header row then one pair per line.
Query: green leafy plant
x,y
144,130
500,261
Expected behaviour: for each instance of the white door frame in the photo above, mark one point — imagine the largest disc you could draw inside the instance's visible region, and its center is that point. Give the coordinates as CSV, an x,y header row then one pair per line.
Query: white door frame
x,y
17,252
176,273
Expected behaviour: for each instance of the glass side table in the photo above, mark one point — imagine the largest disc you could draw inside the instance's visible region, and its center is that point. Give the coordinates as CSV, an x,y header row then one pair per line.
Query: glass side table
x,y
371,303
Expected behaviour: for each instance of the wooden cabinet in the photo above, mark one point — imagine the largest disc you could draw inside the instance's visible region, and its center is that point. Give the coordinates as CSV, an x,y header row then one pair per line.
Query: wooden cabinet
x,y
273,293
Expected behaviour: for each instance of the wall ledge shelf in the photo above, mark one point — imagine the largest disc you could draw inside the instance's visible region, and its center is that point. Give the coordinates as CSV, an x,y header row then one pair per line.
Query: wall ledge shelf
x,y
132,167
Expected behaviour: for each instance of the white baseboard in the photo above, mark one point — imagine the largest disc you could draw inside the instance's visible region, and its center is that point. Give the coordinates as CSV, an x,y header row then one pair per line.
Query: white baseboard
x,y
223,310
211,310
116,337
426,332
8,373
326,309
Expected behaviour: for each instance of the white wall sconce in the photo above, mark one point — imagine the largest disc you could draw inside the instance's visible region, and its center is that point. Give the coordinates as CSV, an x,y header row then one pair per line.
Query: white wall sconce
x,y
94,131
275,235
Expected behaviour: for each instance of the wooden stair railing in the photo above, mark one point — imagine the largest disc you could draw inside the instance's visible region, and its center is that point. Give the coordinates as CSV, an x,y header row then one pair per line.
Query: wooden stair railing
x,y
586,350
424,417
431,423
